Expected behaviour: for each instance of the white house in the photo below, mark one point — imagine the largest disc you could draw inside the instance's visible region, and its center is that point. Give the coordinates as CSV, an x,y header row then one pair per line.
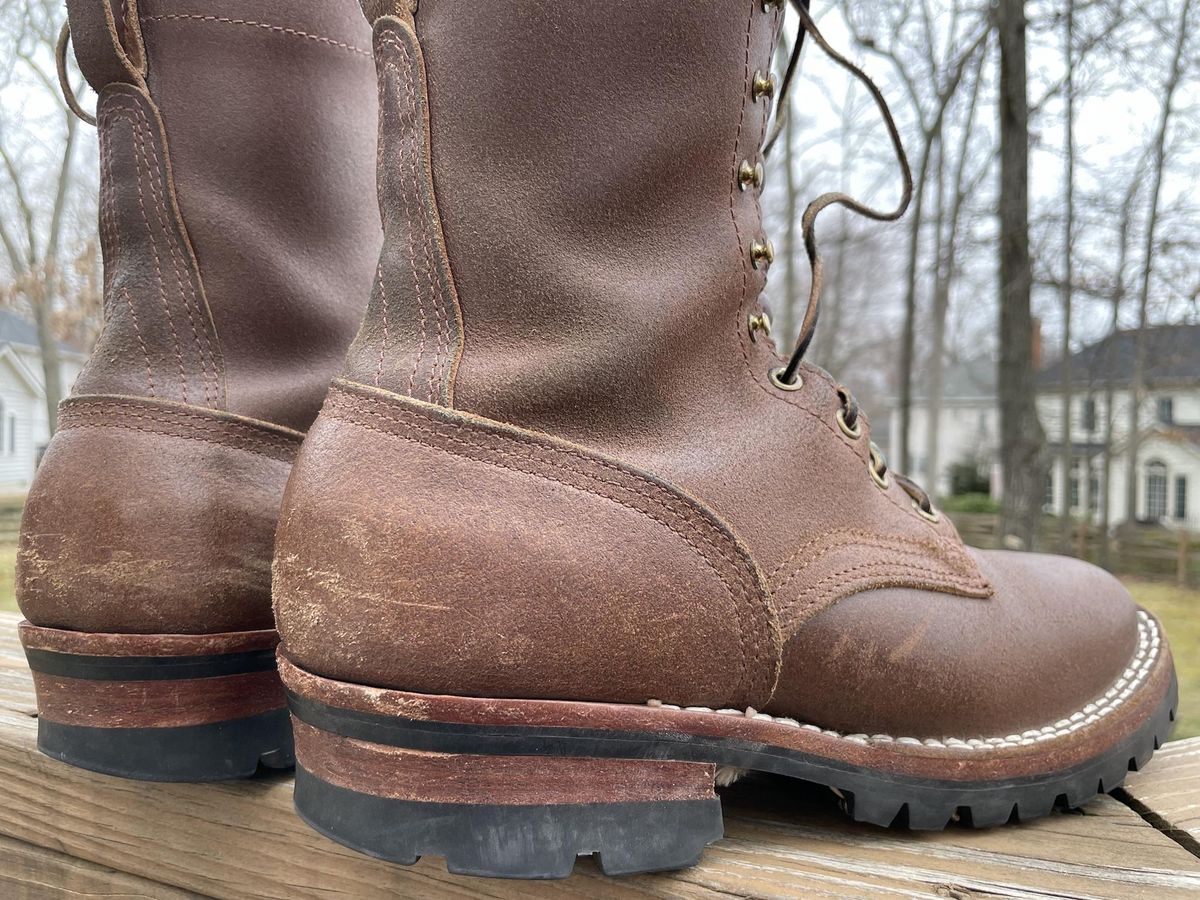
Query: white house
x,y
1168,454
24,426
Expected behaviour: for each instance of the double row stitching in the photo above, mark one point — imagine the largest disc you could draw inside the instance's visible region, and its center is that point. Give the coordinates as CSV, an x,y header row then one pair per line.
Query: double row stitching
x,y
898,543
138,331
873,574
394,111
137,148
847,535
442,340
186,294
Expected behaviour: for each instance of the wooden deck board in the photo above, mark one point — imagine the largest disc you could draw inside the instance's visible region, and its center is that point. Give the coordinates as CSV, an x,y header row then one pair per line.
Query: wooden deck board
x,y
110,837
1169,792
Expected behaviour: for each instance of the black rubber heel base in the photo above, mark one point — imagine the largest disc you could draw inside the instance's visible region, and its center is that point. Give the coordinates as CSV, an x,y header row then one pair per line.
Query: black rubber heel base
x,y
513,841
216,752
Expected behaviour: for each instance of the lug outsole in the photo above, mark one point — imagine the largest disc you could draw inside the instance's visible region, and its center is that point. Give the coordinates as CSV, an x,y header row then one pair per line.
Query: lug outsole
x,y
542,841
217,751
501,841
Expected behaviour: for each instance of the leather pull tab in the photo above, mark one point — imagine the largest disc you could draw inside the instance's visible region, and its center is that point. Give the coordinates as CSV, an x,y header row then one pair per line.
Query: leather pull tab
x,y
404,10
107,38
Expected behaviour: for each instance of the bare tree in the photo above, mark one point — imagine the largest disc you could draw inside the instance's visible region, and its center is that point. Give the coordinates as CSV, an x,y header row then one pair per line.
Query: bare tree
x,y
1066,458
962,187
1021,435
931,84
1137,390
33,237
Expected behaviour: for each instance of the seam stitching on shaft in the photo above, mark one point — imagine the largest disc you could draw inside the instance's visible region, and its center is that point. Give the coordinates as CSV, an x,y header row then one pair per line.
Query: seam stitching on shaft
x,y
113,109
266,26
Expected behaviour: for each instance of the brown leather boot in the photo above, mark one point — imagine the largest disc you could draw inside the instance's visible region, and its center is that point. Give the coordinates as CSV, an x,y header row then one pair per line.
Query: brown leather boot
x,y
236,153
569,540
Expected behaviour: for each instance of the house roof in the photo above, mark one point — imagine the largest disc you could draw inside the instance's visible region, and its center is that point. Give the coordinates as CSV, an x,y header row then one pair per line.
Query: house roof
x,y
962,379
1172,357
18,331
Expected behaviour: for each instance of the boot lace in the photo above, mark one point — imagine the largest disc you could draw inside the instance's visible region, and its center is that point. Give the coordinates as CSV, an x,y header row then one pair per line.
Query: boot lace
x,y
787,377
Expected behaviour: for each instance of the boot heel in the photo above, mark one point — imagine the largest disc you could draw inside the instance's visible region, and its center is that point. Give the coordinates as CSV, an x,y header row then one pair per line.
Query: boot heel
x,y
159,707
504,816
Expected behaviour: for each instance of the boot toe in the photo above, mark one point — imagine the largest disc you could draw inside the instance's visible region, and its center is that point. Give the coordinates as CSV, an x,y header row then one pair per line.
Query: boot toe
x,y
1056,636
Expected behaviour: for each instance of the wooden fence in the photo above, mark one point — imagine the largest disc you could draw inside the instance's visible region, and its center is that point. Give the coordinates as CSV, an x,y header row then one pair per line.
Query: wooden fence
x,y
1143,550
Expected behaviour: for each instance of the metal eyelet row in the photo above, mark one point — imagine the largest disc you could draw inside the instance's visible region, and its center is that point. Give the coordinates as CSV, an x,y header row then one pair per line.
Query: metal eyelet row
x,y
762,251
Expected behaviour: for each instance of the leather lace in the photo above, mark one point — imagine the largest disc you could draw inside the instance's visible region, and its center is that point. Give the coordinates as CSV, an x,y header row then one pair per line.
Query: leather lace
x,y
808,327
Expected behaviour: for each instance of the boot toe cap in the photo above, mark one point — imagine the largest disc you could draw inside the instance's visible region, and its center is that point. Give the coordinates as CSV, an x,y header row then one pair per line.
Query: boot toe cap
x,y
1056,636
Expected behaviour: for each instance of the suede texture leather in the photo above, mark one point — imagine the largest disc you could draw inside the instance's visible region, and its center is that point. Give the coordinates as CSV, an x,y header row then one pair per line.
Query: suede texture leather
x,y
644,578
239,239
584,163
150,517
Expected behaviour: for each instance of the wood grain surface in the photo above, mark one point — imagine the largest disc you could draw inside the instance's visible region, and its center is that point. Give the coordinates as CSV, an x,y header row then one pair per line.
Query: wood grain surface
x,y
73,833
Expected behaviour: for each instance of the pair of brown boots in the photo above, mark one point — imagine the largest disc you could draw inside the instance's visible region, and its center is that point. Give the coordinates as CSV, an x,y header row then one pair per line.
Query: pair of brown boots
x,y
567,540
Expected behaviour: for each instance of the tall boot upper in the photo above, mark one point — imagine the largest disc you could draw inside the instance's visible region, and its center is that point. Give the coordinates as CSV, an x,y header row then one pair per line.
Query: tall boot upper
x,y
565,185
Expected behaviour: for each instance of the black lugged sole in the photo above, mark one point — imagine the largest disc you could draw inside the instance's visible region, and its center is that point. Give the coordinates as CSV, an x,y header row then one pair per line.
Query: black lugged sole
x,y
542,841
212,752
536,841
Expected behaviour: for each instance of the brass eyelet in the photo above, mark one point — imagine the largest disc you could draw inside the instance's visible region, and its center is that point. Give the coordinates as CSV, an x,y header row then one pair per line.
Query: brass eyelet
x,y
770,5
762,253
750,175
882,481
874,464
762,86
931,516
775,376
853,433
758,322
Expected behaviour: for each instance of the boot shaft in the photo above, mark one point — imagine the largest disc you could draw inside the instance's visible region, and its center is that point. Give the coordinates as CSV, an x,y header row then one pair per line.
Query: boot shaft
x,y
237,163
598,225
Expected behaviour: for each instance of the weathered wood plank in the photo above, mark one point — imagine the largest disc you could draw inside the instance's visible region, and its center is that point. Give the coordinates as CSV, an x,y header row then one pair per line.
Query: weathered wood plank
x,y
35,873
1168,793
783,840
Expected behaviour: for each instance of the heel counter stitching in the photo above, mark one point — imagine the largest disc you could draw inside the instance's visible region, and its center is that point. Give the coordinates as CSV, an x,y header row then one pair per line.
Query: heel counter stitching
x,y
170,420
758,665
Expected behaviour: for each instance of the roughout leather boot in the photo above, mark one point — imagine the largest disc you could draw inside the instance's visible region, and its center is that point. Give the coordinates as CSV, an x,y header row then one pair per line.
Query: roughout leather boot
x,y
568,541
236,150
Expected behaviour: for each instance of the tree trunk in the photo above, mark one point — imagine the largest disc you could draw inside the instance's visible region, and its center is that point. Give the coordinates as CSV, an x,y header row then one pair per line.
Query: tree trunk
x,y
1065,438
1021,435
1110,387
1137,389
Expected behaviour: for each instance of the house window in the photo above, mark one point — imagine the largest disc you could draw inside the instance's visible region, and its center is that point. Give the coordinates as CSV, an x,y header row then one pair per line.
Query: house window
x,y
1048,499
12,435
1089,415
1073,490
1166,410
1094,492
1181,486
1156,490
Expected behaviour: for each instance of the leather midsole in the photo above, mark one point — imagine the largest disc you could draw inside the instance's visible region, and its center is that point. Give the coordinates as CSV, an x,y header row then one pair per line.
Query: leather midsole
x,y
469,725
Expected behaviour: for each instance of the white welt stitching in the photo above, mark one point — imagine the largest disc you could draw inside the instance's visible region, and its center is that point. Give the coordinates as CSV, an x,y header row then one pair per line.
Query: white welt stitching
x,y
1149,644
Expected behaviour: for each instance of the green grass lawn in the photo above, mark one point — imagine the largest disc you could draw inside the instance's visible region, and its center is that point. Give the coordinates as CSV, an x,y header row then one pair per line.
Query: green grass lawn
x,y
1179,610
